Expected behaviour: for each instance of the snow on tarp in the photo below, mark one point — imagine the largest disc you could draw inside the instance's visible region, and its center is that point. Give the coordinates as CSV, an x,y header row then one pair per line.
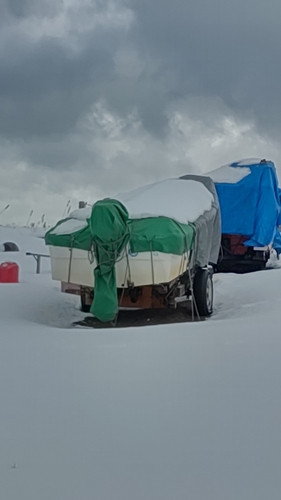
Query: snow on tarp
x,y
173,198
250,206
81,213
208,225
247,161
76,221
69,226
229,174
192,198
186,202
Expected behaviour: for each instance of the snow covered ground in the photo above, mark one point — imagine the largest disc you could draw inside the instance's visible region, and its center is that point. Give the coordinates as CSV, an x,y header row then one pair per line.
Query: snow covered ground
x,y
173,412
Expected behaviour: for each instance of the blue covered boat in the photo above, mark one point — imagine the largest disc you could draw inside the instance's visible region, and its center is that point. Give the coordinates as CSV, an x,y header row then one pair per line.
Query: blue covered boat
x,y
249,199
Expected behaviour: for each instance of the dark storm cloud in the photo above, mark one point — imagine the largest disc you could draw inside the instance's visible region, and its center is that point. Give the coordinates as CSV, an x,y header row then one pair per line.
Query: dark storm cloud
x,y
40,8
196,49
45,87
216,48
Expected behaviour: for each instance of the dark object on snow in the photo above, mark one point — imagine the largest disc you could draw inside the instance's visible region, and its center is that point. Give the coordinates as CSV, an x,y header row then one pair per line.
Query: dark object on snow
x,y
141,317
9,247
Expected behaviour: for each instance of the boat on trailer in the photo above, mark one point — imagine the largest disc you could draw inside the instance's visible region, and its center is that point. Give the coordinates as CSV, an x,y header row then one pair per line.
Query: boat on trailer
x,y
150,248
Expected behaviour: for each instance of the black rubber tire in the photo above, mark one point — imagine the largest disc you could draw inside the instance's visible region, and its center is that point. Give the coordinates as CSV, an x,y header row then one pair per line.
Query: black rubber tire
x,y
203,292
85,308
9,246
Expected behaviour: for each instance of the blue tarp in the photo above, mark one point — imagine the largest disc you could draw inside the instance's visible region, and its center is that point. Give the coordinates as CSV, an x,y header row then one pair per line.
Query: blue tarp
x,y
251,206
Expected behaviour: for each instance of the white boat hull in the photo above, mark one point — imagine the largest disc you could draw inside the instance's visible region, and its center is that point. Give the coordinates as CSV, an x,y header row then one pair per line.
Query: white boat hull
x,y
73,266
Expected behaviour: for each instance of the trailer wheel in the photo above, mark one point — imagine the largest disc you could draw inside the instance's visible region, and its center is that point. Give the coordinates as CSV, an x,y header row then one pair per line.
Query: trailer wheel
x,y
203,292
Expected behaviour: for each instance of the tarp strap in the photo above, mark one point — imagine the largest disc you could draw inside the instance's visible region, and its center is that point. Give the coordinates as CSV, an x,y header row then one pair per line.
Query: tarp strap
x,y
128,268
70,258
152,266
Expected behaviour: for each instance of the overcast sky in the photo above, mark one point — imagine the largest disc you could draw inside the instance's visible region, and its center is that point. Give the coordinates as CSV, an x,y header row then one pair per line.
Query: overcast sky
x,y
101,96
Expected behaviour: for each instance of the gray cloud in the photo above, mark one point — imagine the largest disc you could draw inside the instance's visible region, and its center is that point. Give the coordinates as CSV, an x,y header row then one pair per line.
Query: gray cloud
x,y
26,8
125,90
45,87
225,49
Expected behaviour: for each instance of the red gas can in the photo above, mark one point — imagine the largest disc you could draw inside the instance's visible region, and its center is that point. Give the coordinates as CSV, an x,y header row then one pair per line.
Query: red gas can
x,y
9,272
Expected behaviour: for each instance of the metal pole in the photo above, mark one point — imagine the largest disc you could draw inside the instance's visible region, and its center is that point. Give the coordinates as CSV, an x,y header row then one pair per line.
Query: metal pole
x,y
38,264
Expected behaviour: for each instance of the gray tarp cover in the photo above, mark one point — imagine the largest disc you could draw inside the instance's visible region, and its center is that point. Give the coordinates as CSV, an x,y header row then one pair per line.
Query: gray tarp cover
x,y
208,226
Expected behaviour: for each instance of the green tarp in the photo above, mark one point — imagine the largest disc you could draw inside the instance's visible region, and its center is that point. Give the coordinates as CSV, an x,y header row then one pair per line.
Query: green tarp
x,y
110,234
108,231
160,234
155,233
79,239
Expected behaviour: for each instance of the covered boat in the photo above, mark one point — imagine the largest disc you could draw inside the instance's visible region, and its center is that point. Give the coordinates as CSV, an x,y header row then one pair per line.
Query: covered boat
x,y
249,200
150,247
